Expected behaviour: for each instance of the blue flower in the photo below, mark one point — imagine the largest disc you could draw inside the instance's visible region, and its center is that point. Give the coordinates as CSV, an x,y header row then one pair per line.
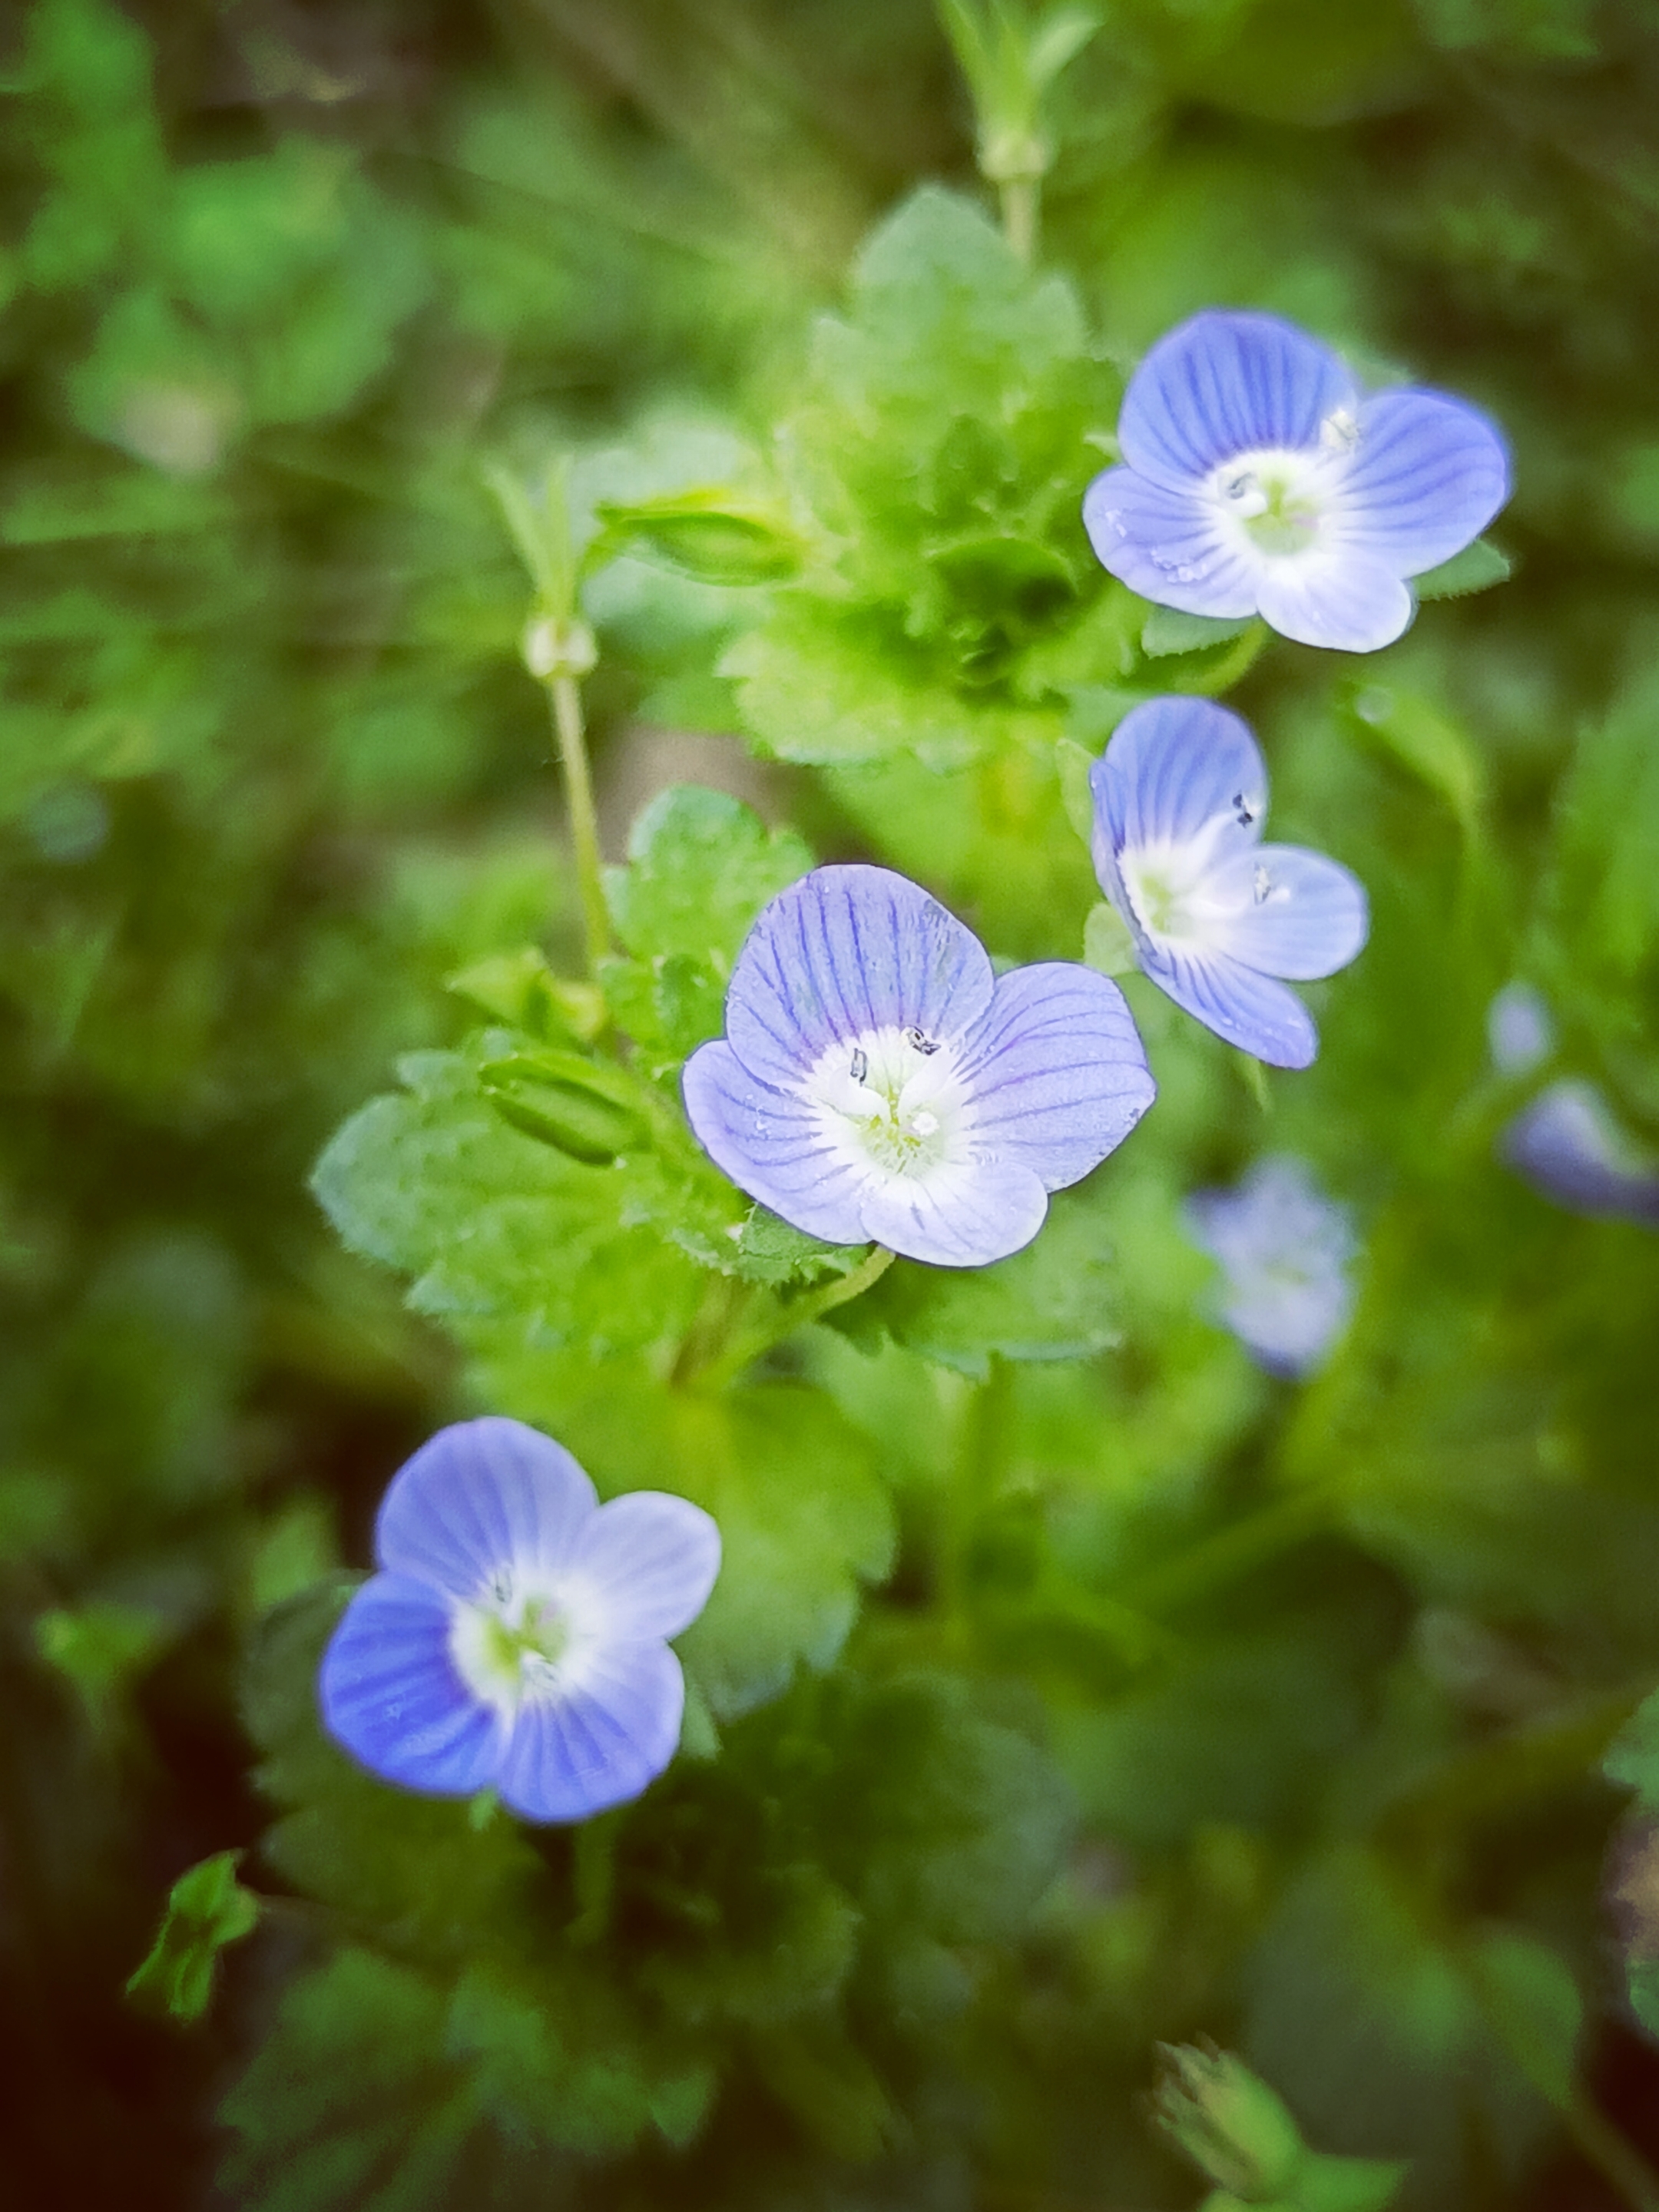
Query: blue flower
x,y
514,1638
1259,481
1179,794
1285,1251
1520,1033
1569,1144
877,1080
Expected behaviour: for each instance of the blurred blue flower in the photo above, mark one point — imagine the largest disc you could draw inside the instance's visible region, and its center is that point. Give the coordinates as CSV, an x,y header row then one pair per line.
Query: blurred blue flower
x,y
1520,1032
1179,797
514,1638
1571,1146
1259,481
1285,1251
877,1080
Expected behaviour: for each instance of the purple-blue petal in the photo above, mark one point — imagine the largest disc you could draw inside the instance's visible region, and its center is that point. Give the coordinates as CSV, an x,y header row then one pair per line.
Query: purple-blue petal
x,y
1340,596
650,1560
770,1144
962,1217
1299,914
1250,1010
1569,1146
479,1497
1168,544
1057,1071
1173,766
845,951
1285,1250
1426,476
580,1750
390,1695
1226,384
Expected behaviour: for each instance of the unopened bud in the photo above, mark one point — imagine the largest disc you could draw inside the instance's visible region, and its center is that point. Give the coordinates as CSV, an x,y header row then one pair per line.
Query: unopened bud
x,y
552,649
1228,2123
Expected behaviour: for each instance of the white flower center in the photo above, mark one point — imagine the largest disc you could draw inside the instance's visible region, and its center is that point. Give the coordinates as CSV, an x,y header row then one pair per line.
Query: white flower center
x,y
1278,499
891,1100
1178,895
514,1643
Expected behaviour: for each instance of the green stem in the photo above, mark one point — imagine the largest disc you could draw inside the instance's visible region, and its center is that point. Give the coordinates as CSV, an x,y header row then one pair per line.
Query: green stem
x,y
564,694
1021,206
797,1314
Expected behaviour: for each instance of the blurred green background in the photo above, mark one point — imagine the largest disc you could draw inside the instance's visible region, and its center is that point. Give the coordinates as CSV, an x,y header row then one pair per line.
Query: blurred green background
x,y
277,279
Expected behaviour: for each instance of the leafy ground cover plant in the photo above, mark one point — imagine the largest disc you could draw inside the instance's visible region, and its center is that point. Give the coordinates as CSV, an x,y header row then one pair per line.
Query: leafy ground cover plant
x,y
1180,1476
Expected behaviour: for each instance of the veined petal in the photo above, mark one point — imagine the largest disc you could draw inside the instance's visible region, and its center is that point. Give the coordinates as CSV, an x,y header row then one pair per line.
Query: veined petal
x,y
598,1743
1339,597
479,1497
1569,1146
390,1695
1168,544
1174,767
769,1142
1426,476
1250,1010
648,1561
1226,384
1056,1071
1289,911
845,951
958,1217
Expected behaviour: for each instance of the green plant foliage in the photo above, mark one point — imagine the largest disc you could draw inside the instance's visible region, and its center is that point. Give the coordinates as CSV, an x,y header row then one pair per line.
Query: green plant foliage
x,y
207,1909
1072,1686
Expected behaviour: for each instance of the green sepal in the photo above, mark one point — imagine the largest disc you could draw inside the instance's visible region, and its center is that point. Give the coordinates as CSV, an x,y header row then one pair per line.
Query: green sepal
x,y
208,1909
1073,762
1107,943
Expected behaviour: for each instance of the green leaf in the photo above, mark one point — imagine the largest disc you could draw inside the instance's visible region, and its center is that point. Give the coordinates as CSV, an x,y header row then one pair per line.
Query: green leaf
x,y
803,1522
1054,1300
1167,631
353,2103
710,533
1533,2002
208,1909
770,1251
700,866
100,1647
1476,568
814,689
1424,742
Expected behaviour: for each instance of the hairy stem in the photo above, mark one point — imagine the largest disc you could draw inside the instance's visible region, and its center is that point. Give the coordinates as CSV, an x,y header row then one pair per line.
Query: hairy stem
x,y
564,694
795,1314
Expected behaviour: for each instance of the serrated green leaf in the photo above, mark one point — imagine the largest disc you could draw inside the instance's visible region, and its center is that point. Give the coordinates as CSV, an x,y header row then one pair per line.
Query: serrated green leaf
x,y
701,866
770,1251
1476,568
1054,1300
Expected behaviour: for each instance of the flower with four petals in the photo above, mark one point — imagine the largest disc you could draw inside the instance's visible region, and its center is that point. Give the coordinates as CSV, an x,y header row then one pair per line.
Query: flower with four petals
x,y
1285,1251
1257,479
514,1638
1216,916
878,1080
